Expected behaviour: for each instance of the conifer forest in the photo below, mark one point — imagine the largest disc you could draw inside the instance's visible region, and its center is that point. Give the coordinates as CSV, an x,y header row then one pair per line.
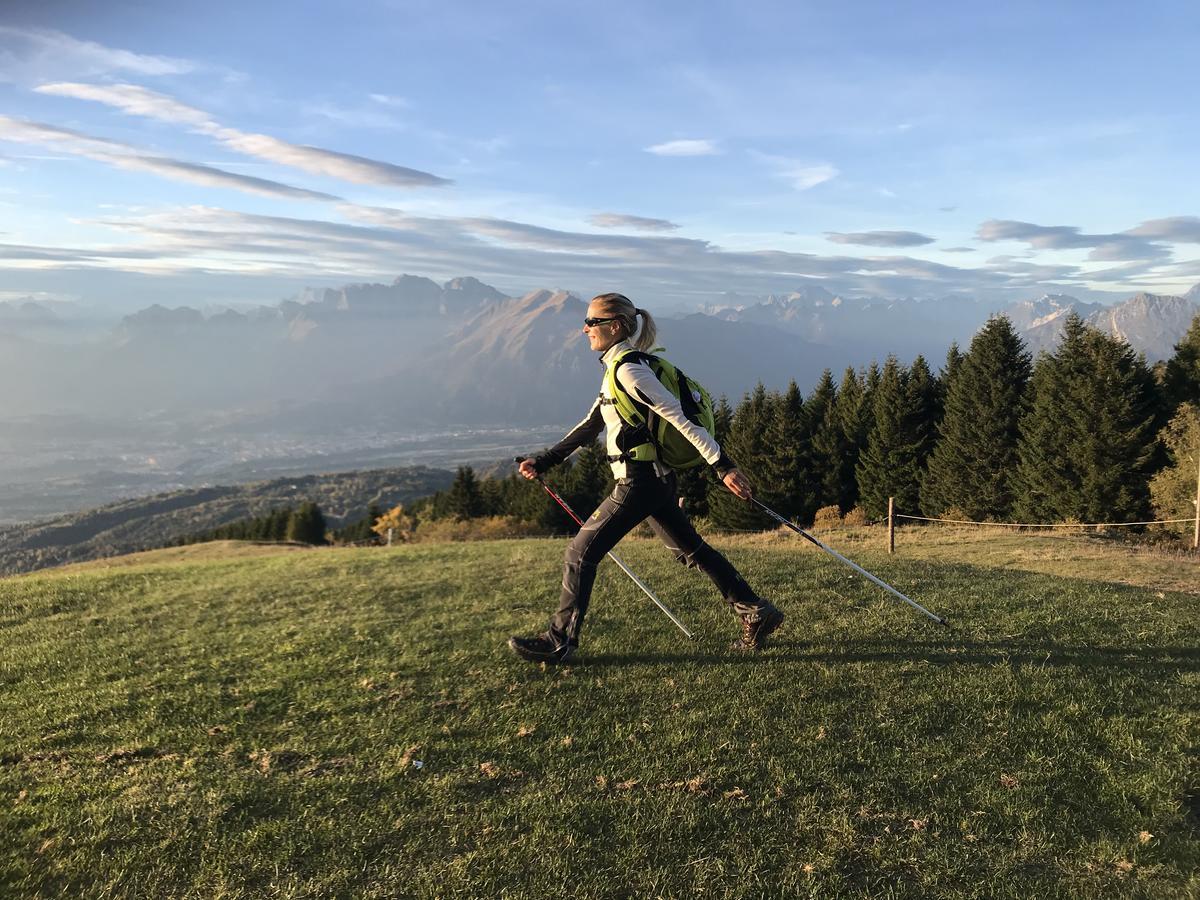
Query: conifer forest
x,y
1089,433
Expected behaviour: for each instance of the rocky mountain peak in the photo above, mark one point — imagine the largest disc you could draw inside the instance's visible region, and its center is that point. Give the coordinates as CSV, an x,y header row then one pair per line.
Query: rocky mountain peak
x,y
546,300
1150,323
26,310
468,291
417,286
159,316
814,295
1046,310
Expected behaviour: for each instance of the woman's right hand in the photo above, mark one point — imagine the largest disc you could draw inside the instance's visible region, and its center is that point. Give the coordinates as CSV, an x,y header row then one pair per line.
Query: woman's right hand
x,y
738,483
527,469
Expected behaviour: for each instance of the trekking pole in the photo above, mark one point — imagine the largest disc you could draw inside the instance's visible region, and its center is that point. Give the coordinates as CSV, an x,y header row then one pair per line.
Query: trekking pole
x,y
887,587
624,568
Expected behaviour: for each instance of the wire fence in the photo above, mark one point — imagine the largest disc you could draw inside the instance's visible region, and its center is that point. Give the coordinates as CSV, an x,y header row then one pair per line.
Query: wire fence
x,y
1042,525
894,516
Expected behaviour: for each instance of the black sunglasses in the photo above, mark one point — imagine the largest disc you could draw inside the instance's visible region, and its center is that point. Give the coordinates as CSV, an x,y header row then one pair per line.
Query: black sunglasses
x,y
591,323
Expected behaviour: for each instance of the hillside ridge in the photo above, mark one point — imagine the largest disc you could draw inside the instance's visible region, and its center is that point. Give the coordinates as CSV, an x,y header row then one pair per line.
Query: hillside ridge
x,y
130,526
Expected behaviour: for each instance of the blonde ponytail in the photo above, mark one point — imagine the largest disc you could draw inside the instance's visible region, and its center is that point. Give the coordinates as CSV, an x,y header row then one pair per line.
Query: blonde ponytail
x,y
649,333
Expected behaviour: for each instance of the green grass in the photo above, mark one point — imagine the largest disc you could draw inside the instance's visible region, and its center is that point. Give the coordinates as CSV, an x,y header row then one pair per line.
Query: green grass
x,y
252,727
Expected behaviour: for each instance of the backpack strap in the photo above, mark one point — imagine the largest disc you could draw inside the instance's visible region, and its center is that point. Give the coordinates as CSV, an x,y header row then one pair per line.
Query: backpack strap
x,y
636,439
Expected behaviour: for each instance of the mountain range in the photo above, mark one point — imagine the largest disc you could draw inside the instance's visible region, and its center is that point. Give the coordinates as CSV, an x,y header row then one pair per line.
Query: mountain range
x,y
462,353
1150,323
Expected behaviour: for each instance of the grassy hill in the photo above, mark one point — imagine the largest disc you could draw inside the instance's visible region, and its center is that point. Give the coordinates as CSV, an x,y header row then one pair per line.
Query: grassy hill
x,y
348,723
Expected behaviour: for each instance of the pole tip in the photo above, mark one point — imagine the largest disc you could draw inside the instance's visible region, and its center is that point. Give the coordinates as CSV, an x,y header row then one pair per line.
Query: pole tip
x,y
945,623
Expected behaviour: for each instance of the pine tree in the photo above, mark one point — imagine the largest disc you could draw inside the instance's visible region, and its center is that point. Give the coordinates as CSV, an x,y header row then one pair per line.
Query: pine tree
x,y
464,499
699,482
954,361
787,473
307,524
722,420
361,531
274,527
746,446
525,500
590,479
1182,376
852,412
693,485
923,410
973,465
258,528
826,442
1088,438
888,466
491,502
871,383
870,386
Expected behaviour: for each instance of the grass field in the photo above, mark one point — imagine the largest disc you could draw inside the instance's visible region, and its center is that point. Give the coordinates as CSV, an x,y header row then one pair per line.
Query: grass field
x,y
235,722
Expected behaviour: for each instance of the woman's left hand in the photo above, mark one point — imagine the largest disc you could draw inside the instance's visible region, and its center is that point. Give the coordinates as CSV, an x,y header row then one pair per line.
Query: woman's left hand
x,y
737,482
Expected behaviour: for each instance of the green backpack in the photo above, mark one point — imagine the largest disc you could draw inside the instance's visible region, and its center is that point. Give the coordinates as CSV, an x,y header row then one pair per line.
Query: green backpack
x,y
665,441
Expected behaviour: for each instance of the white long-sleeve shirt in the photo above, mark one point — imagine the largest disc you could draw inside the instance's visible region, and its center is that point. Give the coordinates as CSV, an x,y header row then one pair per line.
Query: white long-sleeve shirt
x,y
640,382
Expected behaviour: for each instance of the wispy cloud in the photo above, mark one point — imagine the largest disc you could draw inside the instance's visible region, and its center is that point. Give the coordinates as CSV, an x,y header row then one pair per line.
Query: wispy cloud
x,y
50,257
805,177
959,250
139,101
389,100
359,116
346,166
1105,247
1176,229
38,52
621,220
132,99
685,148
383,239
880,238
123,156
1045,237
1035,273
1126,272
803,174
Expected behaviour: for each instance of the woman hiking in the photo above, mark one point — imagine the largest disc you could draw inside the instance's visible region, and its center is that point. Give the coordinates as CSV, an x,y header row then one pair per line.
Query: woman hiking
x,y
645,489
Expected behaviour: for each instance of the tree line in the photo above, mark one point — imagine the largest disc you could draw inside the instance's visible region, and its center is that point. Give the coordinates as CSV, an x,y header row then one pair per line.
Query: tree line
x,y
1086,433
305,525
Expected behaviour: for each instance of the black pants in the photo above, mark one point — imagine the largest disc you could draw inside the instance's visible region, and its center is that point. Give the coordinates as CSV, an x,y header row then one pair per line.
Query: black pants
x,y
634,499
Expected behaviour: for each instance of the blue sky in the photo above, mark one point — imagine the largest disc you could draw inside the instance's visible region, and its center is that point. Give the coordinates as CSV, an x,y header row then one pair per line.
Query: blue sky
x,y
236,153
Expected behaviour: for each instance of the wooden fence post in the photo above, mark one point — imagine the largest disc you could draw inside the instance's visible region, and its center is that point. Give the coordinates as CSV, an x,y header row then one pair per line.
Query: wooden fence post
x,y
891,524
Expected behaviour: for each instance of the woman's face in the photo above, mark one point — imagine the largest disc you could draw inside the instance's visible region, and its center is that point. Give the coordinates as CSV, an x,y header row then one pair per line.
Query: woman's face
x,y
605,334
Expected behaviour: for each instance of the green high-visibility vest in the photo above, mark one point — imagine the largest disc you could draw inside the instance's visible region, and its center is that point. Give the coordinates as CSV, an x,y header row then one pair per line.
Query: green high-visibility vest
x,y
664,441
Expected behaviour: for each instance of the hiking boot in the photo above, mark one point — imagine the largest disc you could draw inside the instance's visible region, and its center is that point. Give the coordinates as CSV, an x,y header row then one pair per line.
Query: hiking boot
x,y
756,627
540,648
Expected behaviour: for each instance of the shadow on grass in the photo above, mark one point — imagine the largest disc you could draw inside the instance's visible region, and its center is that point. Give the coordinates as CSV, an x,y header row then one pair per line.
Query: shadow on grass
x,y
1160,660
